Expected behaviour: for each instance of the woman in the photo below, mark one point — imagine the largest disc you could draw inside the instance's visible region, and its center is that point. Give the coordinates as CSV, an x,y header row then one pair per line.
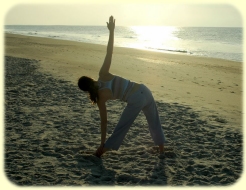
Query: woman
x,y
137,96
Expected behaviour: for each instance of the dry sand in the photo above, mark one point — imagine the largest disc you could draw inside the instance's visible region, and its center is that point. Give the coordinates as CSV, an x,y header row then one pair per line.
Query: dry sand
x,y
51,129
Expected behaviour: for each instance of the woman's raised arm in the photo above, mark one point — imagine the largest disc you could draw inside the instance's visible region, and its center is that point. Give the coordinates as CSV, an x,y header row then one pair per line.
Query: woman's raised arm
x,y
107,61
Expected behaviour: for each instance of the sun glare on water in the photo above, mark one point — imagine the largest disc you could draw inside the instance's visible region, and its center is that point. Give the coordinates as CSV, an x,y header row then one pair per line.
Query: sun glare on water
x,y
155,37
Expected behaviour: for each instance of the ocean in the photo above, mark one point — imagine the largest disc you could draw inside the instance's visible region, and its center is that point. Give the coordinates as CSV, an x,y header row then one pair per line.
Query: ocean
x,y
215,42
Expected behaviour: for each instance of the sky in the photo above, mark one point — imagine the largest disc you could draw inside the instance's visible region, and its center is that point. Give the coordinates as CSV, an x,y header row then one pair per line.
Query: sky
x,y
126,14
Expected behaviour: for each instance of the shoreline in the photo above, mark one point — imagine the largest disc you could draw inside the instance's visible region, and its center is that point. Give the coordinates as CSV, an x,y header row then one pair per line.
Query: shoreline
x,y
141,49
210,86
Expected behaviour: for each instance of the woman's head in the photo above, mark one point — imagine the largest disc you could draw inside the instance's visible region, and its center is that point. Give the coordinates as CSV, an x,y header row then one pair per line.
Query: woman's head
x,y
87,84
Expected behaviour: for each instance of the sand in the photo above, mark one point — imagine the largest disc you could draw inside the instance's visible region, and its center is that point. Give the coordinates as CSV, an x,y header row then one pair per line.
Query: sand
x,y
51,129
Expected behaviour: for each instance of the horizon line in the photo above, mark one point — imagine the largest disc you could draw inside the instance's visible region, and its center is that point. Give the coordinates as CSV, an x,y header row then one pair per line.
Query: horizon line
x,y
120,26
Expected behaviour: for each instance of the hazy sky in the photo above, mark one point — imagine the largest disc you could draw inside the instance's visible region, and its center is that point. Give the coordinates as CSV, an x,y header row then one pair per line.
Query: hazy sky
x,y
126,14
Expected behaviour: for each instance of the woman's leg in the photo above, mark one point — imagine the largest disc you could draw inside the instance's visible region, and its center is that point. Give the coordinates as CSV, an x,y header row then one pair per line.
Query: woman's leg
x,y
133,108
152,116
127,118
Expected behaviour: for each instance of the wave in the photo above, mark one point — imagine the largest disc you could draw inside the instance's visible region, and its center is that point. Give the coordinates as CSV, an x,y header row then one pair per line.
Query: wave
x,y
53,36
32,33
130,37
172,50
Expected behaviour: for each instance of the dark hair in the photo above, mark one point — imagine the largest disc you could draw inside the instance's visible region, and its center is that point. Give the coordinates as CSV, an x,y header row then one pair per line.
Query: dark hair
x,y
87,84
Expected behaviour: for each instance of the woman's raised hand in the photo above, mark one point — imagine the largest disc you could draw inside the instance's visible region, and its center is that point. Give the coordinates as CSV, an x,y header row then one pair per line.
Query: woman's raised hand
x,y
111,23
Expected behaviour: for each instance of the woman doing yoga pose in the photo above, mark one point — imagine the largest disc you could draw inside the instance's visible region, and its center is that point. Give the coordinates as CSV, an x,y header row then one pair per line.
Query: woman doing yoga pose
x,y
137,96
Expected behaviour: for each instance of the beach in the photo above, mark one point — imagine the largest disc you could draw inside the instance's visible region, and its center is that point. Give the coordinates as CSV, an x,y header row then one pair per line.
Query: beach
x,y
52,129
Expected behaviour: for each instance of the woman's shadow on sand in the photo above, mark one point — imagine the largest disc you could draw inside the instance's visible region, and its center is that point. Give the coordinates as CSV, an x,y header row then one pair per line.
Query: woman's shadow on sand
x,y
95,171
97,174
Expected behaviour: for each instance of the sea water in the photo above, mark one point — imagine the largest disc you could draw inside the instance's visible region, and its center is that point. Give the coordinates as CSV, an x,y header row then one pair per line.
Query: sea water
x,y
215,42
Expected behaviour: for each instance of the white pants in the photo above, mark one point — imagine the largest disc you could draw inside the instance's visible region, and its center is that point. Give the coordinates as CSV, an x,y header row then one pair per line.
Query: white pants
x,y
140,100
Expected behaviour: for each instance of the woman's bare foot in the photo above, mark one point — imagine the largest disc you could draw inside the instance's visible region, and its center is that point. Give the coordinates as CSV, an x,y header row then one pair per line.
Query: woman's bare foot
x,y
161,148
99,153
